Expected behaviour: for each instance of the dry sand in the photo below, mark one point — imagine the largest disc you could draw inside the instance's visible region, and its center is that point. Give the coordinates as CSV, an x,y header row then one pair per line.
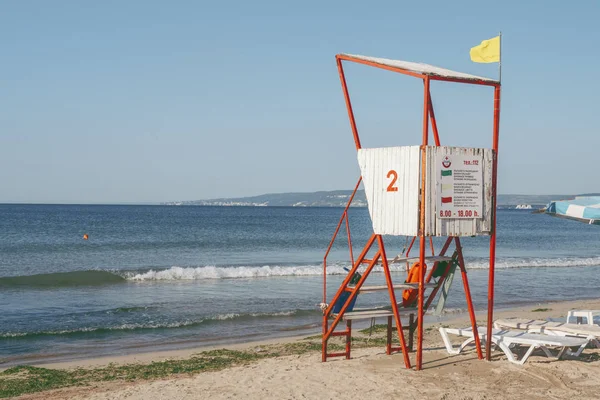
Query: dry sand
x,y
371,373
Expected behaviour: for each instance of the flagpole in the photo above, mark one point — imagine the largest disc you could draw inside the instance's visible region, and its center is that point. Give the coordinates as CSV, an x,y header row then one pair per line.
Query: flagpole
x,y
500,60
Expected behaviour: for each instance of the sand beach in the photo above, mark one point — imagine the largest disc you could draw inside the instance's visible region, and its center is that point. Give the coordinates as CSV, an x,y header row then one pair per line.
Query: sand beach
x,y
370,372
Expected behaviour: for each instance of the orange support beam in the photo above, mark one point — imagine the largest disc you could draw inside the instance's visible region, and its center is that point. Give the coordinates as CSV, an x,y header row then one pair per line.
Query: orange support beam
x,y
392,294
337,229
348,104
349,276
421,296
491,278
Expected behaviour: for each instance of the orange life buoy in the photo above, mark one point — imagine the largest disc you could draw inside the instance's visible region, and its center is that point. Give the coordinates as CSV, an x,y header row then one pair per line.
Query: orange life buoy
x,y
409,295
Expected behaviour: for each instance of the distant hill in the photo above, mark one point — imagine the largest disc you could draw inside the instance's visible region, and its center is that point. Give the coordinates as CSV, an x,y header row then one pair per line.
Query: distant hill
x,y
334,198
339,198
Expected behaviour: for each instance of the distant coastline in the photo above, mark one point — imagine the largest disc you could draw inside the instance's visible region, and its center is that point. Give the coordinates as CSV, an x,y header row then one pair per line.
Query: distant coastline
x,y
339,198
334,198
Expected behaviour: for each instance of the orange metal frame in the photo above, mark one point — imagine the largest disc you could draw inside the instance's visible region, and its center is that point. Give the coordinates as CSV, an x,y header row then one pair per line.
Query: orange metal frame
x,y
428,117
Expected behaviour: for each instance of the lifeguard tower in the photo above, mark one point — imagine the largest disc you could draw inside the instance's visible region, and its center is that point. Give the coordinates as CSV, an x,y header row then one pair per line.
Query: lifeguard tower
x,y
416,191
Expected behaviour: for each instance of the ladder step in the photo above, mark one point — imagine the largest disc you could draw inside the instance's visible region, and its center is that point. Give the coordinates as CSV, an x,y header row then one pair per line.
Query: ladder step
x,y
375,313
402,286
428,259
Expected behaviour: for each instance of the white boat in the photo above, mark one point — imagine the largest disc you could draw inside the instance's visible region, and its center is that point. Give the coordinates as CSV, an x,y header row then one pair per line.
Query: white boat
x,y
524,207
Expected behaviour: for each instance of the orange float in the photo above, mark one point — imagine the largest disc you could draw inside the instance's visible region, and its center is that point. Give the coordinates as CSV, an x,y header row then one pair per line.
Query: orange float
x,y
410,295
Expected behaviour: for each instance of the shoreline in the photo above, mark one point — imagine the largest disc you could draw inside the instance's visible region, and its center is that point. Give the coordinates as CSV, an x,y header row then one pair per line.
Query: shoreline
x,y
188,347
291,367
144,353
554,308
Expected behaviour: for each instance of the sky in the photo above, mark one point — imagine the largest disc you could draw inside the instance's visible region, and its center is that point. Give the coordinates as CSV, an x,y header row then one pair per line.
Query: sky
x,y
150,101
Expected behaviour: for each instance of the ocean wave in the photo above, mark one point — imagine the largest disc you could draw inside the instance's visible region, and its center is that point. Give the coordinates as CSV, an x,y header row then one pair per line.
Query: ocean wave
x,y
122,327
224,317
156,325
176,273
213,272
533,262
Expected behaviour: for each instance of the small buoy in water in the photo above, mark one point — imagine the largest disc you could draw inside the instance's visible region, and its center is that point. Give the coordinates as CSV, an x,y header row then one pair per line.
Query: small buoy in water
x,y
85,236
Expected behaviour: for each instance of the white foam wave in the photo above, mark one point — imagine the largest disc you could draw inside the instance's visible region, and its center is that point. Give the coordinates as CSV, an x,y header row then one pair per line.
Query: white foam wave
x,y
534,262
213,272
122,327
223,317
154,325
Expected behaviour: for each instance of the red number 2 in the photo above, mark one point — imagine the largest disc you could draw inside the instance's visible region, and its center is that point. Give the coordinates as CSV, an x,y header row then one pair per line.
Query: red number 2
x,y
394,176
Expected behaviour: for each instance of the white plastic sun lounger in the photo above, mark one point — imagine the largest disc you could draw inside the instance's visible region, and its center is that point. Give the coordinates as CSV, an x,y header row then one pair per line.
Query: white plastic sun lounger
x,y
507,339
591,332
581,314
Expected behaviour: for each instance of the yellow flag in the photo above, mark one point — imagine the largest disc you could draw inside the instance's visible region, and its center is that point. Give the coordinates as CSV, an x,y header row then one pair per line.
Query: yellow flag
x,y
487,52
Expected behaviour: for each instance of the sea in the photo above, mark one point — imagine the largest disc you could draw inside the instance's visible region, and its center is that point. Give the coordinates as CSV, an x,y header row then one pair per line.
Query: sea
x,y
152,278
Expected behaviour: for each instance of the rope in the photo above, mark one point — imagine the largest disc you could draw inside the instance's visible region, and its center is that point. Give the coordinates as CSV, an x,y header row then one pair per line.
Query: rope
x,y
403,251
371,329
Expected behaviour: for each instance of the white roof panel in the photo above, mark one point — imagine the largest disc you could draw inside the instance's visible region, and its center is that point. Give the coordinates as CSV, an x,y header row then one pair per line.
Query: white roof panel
x,y
420,68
